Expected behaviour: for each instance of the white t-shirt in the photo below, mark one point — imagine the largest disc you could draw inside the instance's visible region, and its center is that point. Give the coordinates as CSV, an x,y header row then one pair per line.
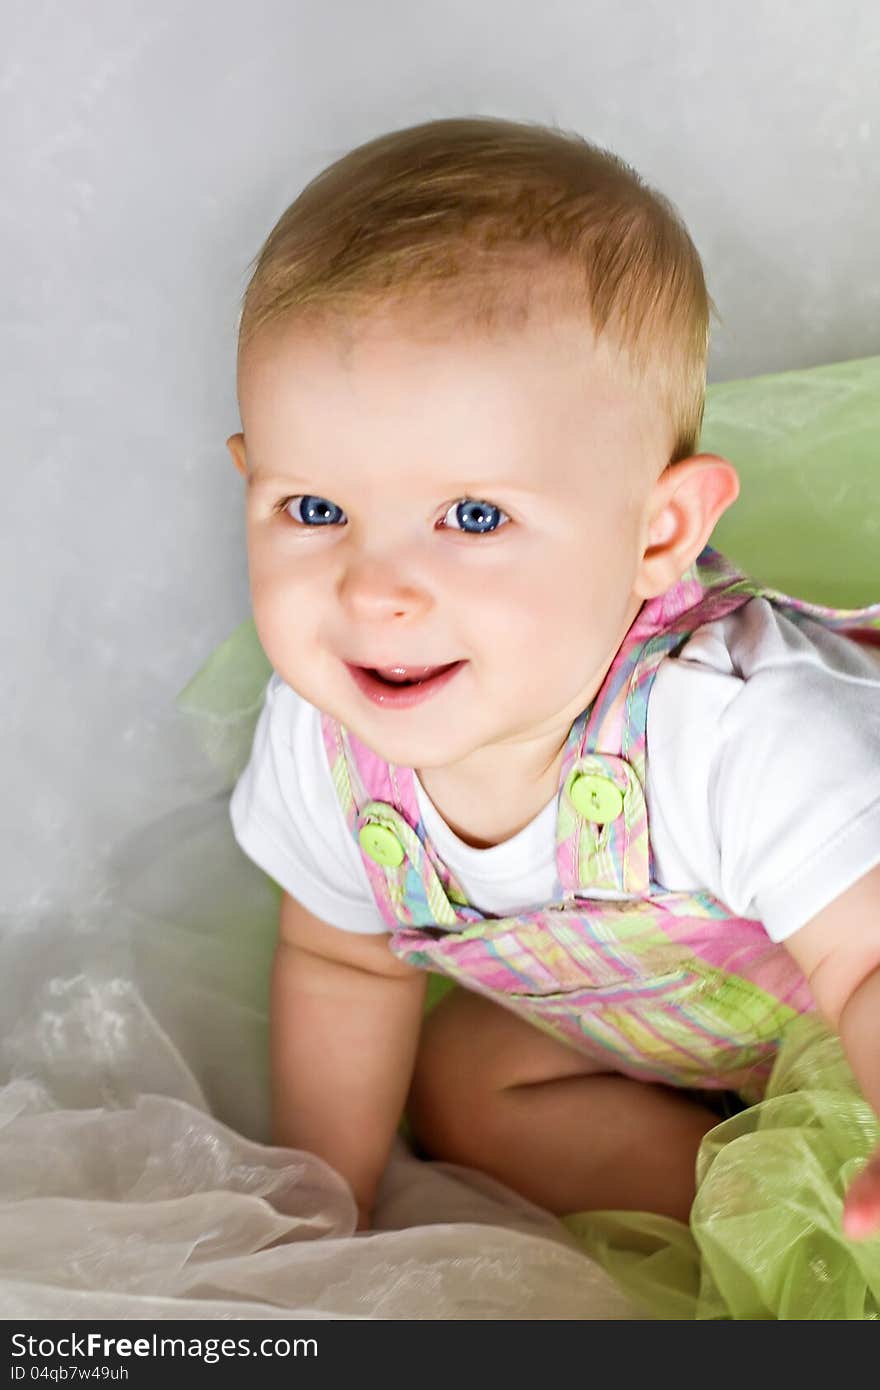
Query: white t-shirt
x,y
762,785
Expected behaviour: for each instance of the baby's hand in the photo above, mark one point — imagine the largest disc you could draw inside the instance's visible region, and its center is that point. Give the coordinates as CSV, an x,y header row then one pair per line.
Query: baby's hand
x,y
861,1210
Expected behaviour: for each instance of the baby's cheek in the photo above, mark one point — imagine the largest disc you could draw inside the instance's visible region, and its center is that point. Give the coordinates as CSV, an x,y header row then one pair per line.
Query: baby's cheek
x,y
521,621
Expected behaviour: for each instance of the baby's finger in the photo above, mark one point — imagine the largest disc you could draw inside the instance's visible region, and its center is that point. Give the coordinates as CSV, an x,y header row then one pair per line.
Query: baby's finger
x,y
861,1210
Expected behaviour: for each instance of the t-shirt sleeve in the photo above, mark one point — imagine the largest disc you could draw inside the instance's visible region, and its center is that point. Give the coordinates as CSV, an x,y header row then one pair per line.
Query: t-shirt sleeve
x,y
794,783
286,816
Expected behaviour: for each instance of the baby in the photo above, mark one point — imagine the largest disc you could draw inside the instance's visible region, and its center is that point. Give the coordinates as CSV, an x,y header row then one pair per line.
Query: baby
x,y
526,728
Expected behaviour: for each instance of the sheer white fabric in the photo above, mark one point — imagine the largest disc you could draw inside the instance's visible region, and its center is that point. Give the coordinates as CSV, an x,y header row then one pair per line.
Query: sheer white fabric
x,y
134,1182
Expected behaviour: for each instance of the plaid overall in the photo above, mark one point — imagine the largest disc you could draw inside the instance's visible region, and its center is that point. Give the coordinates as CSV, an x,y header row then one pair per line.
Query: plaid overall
x,y
666,986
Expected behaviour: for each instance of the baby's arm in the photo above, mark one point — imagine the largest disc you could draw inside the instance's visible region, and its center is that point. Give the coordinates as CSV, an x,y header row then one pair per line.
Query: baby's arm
x,y
839,952
345,1020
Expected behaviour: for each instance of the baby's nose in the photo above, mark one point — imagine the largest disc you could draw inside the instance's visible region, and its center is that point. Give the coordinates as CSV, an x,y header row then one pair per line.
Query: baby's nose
x,y
376,589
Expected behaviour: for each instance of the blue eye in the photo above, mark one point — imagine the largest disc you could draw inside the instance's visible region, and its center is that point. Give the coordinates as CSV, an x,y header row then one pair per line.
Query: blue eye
x,y
312,511
472,517
475,518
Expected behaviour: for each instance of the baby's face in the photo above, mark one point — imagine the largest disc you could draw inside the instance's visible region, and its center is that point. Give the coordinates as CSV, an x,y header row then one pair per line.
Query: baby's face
x,y
446,501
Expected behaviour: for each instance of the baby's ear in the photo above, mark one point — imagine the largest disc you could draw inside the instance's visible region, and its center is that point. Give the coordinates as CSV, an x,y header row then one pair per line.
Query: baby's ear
x,y
235,445
685,504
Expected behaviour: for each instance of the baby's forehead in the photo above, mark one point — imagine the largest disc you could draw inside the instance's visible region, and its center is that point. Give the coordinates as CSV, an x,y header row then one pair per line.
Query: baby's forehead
x,y
439,374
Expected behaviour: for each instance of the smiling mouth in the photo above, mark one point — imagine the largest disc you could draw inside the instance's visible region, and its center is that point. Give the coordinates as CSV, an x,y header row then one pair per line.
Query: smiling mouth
x,y
401,687
406,675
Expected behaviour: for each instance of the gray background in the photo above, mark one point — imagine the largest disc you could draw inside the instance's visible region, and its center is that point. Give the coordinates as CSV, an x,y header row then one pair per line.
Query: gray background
x,y
147,150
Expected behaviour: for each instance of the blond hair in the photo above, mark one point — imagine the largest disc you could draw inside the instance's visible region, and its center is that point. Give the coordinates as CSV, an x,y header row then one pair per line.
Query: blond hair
x,y
450,210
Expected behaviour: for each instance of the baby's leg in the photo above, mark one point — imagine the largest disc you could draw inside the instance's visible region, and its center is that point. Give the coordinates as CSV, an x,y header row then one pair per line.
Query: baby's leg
x,y
493,1092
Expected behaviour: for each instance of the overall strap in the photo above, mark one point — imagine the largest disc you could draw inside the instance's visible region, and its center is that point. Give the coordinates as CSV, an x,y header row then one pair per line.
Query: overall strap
x,y
602,838
411,885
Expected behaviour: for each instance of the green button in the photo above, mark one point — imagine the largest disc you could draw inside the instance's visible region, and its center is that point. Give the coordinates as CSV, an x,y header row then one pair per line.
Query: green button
x,y
597,798
381,844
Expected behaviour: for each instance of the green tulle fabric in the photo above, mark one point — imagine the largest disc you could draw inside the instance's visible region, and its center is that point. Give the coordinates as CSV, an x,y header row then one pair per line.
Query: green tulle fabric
x,y
765,1236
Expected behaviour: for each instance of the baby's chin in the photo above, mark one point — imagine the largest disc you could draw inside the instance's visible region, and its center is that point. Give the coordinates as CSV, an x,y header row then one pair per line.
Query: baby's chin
x,y
426,748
